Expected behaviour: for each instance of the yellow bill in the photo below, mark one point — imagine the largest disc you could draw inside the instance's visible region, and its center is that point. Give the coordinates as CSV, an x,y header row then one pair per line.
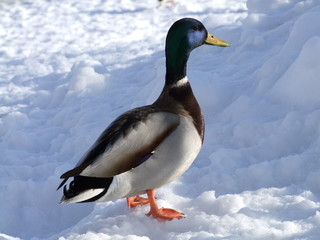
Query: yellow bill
x,y
211,40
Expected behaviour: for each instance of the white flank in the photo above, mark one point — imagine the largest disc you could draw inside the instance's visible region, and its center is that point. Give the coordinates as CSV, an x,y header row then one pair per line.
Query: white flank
x,y
169,161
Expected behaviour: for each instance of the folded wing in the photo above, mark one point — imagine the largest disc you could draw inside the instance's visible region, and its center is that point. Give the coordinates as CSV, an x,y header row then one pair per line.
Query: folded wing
x,y
129,141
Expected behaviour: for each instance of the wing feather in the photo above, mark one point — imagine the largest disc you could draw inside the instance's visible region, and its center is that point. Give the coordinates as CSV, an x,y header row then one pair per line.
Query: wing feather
x,y
126,143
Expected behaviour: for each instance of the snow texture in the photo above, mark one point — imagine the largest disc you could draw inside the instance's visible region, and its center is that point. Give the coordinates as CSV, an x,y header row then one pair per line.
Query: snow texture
x,y
68,68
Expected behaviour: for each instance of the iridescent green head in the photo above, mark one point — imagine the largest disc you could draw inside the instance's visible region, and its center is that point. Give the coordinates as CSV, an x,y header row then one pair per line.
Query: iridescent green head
x,y
185,35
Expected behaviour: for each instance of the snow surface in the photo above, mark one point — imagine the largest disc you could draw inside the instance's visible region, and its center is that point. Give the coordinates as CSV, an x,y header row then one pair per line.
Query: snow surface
x,y
68,68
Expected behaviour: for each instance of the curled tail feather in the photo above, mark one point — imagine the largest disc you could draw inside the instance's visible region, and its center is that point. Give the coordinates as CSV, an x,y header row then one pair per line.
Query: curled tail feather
x,y
84,189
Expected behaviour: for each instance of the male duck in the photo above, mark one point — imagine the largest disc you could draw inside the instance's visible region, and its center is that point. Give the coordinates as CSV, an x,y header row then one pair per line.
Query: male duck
x,y
147,147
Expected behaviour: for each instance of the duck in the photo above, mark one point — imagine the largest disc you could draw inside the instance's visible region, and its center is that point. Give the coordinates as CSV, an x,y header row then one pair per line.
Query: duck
x,y
150,146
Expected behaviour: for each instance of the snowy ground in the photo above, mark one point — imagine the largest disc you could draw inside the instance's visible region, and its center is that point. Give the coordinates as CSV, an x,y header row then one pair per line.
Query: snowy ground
x,y
68,68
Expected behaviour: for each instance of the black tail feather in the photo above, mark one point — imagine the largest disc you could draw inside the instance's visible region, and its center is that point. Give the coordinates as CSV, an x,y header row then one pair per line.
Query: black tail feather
x,y
62,183
81,183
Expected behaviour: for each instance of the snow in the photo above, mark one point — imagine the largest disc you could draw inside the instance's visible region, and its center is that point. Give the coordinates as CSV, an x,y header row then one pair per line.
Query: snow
x,y
68,68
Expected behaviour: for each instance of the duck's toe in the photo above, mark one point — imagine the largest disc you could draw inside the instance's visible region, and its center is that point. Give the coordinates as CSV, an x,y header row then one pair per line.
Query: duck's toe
x,y
136,201
166,214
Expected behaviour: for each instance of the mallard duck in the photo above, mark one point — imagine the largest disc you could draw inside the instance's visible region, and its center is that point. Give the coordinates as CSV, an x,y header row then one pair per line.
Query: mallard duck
x,y
150,146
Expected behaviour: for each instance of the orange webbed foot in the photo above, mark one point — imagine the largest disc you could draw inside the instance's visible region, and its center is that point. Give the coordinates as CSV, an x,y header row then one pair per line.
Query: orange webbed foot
x,y
166,214
136,201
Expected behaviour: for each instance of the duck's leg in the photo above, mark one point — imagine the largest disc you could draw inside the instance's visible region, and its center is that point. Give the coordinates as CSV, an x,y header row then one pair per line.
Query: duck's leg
x,y
136,201
162,213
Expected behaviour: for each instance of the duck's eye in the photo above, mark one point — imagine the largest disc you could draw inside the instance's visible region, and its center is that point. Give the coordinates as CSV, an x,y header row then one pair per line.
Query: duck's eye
x,y
197,28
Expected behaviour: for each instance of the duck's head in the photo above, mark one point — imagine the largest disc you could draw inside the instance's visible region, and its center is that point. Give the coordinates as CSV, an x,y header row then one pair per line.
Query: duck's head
x,y
185,35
